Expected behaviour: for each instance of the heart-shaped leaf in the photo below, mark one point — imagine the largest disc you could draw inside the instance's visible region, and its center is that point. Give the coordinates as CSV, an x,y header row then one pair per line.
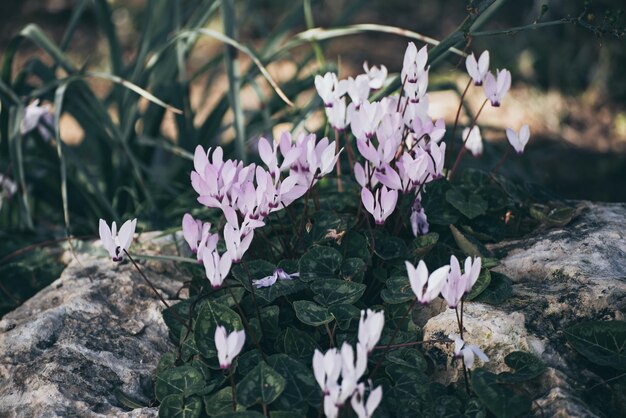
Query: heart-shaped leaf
x,y
336,292
300,387
311,313
178,406
601,342
178,381
261,385
211,315
320,263
471,205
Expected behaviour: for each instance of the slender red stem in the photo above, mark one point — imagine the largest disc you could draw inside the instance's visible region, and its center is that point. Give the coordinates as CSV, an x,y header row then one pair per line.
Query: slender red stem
x,y
464,149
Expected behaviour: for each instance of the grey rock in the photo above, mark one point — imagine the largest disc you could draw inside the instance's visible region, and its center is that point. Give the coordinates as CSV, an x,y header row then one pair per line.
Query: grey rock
x,y
560,277
94,332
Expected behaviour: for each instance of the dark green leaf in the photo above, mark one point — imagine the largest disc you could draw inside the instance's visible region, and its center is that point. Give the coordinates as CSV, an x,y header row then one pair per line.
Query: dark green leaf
x,y
499,399
355,245
408,357
178,381
526,367
601,342
353,269
311,313
471,205
262,385
177,406
499,290
220,402
398,290
336,292
388,247
344,314
301,387
298,344
424,243
319,263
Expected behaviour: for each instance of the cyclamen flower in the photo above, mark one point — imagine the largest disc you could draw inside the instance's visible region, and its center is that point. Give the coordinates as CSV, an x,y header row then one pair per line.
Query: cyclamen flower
x,y
467,351
198,235
326,368
328,88
376,75
370,328
40,118
279,274
116,244
474,141
414,63
426,287
365,120
497,87
228,345
418,219
381,205
518,141
459,284
216,267
357,88
365,409
337,113
350,369
477,70
237,241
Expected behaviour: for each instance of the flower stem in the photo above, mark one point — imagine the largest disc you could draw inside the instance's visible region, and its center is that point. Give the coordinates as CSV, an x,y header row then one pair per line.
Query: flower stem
x,y
234,388
458,114
338,163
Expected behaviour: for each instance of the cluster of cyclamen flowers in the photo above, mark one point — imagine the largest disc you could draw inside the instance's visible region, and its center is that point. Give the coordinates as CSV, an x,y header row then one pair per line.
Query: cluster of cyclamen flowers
x,y
246,194
338,372
400,143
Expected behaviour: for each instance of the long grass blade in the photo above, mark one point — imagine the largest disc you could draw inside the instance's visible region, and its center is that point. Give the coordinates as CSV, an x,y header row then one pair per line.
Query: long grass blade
x,y
321,34
15,150
59,96
234,80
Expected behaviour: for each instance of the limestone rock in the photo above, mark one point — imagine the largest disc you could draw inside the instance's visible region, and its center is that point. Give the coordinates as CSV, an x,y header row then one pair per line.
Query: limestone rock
x,y
93,334
560,277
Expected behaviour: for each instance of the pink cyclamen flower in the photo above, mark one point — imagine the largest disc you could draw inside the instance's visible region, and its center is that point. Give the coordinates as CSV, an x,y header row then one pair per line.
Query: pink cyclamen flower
x,y
326,368
497,87
474,141
365,409
198,235
467,351
477,69
518,140
454,287
376,75
228,345
237,241
418,218
426,287
216,267
370,328
116,244
381,205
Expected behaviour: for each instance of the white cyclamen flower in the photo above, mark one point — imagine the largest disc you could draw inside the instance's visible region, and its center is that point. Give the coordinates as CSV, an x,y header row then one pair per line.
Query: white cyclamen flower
x,y
477,69
370,328
228,345
518,140
473,141
116,243
468,352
